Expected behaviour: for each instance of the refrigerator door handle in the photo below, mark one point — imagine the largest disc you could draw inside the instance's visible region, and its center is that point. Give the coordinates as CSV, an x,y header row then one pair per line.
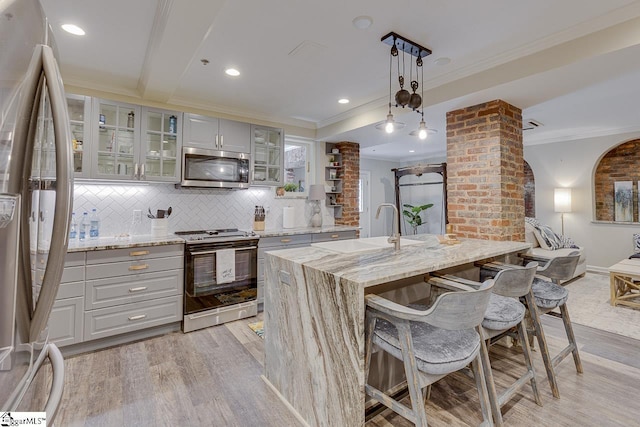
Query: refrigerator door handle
x,y
64,196
57,383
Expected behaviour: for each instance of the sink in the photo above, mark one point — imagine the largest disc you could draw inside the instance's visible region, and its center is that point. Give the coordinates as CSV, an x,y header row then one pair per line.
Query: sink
x,y
347,246
362,245
382,241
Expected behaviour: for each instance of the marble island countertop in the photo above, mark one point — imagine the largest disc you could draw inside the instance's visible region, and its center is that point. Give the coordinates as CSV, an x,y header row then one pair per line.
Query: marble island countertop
x,y
123,242
372,267
315,316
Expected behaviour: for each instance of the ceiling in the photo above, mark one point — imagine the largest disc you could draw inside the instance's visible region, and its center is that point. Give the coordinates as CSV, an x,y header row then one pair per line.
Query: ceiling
x,y
572,65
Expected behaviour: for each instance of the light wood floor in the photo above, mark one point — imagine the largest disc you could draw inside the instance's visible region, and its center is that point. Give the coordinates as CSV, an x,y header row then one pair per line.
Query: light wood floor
x,y
212,378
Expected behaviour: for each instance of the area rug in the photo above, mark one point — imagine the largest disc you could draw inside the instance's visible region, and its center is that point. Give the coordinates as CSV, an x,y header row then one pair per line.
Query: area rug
x,y
589,305
258,328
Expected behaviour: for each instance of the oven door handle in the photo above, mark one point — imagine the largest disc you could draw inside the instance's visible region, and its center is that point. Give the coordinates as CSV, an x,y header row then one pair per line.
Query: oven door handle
x,y
213,252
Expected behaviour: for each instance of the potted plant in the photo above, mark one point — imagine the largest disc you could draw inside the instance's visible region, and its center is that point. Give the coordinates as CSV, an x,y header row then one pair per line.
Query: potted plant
x,y
290,187
412,214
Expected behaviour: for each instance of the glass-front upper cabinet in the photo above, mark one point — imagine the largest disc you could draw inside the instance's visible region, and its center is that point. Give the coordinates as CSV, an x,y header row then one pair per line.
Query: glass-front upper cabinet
x,y
161,145
79,108
115,151
267,155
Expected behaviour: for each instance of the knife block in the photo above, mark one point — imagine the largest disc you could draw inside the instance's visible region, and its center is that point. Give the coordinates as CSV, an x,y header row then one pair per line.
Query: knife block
x,y
258,225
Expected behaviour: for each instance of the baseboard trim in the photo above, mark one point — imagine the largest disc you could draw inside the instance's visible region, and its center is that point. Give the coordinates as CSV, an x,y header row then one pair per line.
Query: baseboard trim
x,y
597,270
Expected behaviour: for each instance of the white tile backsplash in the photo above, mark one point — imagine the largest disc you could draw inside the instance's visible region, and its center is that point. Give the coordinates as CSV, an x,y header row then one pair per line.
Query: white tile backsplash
x,y
193,208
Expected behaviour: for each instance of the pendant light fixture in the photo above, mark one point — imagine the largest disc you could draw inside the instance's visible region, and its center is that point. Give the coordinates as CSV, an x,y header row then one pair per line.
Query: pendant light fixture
x,y
402,97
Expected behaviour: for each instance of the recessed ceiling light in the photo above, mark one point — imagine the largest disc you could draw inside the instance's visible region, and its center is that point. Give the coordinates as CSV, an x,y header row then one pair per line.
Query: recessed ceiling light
x,y
362,22
343,101
442,61
412,151
73,29
232,72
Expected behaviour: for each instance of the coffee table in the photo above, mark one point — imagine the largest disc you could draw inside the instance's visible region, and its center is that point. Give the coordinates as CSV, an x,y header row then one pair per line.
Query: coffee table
x,y
624,279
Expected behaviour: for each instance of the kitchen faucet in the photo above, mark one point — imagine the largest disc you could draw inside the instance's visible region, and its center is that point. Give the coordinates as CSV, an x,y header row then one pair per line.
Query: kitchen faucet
x,y
395,234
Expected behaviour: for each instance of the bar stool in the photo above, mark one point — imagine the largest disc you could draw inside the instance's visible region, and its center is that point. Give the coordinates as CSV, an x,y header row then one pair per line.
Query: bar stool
x,y
547,295
432,343
504,313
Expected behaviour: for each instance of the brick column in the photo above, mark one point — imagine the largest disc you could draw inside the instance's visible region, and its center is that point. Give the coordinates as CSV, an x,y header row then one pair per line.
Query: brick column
x,y
350,176
485,175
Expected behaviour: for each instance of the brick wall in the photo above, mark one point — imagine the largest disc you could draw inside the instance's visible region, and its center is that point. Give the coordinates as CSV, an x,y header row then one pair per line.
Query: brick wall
x,y
485,182
529,192
350,176
619,164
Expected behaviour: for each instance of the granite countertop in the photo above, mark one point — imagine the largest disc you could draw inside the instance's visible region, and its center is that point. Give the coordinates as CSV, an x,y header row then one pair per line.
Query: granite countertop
x,y
384,265
123,242
304,230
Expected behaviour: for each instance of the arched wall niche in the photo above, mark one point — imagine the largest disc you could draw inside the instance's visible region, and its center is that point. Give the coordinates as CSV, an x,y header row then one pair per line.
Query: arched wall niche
x,y
529,192
620,164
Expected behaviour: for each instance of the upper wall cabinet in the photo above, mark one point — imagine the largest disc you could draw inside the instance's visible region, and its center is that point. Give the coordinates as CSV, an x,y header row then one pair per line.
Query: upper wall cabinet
x,y
216,134
135,143
267,156
161,145
116,136
79,108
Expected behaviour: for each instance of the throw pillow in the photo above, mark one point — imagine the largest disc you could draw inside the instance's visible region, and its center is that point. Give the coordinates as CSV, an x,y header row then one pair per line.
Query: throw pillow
x,y
530,235
636,243
547,238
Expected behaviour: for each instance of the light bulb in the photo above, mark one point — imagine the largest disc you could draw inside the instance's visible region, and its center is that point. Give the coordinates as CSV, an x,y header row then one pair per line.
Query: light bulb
x,y
422,130
389,126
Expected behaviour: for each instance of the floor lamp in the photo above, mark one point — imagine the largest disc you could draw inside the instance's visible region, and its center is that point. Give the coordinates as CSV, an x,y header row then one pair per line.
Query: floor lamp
x,y
562,203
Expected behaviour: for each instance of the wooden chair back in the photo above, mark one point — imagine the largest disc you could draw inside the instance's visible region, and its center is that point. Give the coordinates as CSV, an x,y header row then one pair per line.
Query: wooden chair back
x,y
561,268
461,310
515,281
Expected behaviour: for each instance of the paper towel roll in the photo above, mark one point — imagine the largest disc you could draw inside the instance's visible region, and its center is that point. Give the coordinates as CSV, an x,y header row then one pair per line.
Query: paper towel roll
x,y
288,217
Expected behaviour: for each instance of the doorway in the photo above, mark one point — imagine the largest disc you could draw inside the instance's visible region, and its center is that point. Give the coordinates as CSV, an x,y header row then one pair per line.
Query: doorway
x,y
364,203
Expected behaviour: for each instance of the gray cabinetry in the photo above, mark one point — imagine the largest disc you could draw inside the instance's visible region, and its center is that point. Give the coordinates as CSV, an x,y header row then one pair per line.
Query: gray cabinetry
x,y
267,156
216,134
65,321
109,292
274,243
131,289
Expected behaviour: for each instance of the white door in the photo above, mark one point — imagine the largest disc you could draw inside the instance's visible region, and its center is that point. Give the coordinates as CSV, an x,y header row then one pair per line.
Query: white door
x,y
365,204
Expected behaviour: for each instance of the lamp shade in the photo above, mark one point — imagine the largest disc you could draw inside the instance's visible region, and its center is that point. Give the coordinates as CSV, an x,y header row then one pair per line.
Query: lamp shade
x,y
316,192
562,200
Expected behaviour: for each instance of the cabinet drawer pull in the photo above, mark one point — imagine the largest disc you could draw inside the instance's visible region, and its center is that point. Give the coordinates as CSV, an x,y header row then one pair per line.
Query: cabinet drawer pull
x,y
335,236
138,267
138,317
138,253
285,240
138,289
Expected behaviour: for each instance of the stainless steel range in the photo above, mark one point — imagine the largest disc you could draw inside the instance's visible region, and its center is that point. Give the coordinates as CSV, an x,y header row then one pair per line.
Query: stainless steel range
x,y
220,276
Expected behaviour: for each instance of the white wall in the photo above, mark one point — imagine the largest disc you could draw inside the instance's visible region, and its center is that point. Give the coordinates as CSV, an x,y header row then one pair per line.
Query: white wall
x,y
382,191
572,164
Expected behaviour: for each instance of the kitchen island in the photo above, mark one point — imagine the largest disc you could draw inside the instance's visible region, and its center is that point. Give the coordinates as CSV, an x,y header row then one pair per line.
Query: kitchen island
x,y
314,316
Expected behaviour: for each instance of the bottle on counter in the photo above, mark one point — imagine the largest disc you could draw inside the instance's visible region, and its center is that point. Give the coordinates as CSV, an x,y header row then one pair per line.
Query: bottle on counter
x,y
84,227
94,225
73,230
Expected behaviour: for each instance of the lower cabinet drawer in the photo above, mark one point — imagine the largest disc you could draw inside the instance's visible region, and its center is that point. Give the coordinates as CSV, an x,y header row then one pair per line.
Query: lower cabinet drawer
x,y
132,268
121,319
70,290
65,321
113,291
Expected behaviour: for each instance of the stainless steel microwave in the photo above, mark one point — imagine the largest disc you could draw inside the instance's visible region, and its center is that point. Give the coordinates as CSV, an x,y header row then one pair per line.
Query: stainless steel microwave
x,y
214,169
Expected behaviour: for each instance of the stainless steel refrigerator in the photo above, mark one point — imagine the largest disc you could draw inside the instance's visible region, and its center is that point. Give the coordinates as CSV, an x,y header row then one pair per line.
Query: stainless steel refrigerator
x,y
36,193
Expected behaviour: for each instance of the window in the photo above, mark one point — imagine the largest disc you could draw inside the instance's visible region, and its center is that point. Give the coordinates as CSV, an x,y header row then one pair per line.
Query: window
x,y
298,166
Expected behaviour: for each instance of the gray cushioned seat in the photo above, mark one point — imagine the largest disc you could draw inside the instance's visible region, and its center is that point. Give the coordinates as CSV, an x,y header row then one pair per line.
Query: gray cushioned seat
x,y
437,350
502,313
547,294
